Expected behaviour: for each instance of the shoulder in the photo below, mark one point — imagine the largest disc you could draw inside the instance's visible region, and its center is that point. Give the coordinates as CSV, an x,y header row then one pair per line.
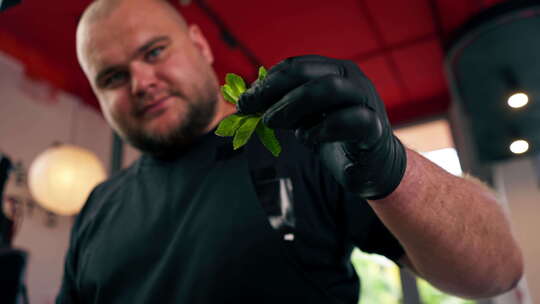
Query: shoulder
x,y
100,197
111,186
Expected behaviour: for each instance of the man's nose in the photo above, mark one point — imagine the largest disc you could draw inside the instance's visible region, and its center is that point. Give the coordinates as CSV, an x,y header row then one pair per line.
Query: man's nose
x,y
143,80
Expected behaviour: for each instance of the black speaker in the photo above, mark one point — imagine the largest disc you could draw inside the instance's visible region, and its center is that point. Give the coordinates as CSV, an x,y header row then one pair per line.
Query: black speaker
x,y
4,4
13,265
6,225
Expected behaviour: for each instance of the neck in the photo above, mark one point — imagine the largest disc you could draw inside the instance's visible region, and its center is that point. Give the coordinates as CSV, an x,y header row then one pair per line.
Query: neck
x,y
223,109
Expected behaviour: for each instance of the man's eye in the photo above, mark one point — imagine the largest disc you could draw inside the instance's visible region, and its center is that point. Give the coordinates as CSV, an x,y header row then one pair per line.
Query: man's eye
x,y
115,79
154,53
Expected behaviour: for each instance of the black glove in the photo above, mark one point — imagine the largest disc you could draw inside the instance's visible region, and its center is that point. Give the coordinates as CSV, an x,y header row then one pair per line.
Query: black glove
x,y
335,110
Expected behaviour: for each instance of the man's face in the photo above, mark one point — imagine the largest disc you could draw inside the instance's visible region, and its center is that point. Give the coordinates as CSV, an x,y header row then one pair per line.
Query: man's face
x,y
152,76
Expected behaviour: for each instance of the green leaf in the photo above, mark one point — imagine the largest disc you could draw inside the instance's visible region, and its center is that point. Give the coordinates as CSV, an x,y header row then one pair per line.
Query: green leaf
x,y
262,73
268,139
236,83
243,126
245,131
228,94
229,125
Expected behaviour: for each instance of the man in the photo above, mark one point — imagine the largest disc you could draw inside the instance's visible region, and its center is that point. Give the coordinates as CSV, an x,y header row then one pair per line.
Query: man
x,y
195,222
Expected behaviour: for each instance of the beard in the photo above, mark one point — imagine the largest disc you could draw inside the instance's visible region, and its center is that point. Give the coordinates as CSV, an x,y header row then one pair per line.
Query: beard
x,y
169,145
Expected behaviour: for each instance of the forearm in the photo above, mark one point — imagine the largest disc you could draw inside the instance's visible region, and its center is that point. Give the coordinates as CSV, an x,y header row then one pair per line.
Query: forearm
x,y
455,234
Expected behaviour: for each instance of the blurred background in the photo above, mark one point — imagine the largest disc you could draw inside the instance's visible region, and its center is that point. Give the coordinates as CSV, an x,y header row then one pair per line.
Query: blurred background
x,y
459,79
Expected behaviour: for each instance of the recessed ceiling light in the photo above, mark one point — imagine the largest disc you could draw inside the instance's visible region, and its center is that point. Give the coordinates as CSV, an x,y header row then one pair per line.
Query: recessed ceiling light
x,y
518,100
519,146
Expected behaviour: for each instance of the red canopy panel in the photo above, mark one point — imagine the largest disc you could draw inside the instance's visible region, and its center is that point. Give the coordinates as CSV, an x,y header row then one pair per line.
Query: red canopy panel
x,y
275,31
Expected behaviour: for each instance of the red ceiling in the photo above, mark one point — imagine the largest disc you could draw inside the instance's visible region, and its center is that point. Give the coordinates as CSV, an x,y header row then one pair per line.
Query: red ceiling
x,y
398,43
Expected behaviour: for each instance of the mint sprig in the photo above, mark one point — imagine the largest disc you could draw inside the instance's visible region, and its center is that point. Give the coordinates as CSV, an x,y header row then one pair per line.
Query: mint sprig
x,y
243,126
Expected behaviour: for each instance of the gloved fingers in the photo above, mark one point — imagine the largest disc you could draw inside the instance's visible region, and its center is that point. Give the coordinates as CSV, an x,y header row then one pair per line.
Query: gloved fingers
x,y
358,124
304,106
283,78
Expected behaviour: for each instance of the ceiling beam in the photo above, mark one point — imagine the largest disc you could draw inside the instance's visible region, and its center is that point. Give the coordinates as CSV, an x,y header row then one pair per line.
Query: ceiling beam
x,y
227,35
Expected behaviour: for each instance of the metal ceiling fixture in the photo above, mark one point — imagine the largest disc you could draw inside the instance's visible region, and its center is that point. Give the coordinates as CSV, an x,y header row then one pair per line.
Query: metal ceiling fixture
x,y
493,72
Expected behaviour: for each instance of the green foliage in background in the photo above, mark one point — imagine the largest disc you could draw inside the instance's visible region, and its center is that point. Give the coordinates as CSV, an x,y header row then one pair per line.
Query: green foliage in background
x,y
431,295
381,283
380,279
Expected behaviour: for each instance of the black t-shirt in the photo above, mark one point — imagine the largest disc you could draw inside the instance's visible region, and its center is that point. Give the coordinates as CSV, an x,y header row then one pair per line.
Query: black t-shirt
x,y
222,226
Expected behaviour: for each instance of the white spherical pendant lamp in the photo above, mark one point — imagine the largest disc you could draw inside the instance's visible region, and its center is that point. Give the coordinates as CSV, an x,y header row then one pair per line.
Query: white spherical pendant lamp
x,y
61,178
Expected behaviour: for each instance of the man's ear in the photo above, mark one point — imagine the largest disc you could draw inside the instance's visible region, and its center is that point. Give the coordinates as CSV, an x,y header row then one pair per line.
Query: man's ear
x,y
196,35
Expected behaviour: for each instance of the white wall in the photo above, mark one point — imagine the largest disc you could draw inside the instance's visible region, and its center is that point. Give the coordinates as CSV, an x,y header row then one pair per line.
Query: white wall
x,y
29,123
426,136
519,184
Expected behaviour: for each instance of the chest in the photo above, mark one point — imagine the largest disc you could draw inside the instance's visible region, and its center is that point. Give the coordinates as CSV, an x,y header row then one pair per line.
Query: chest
x,y
200,238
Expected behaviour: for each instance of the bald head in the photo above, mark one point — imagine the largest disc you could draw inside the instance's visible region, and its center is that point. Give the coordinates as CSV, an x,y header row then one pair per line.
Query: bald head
x,y
100,11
